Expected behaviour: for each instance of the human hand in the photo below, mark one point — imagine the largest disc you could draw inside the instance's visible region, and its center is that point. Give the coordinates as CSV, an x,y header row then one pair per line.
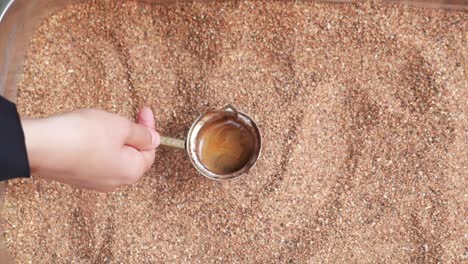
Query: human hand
x,y
91,149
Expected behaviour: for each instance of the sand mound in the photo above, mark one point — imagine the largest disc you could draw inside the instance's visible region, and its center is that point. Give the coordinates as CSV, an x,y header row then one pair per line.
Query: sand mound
x,y
363,113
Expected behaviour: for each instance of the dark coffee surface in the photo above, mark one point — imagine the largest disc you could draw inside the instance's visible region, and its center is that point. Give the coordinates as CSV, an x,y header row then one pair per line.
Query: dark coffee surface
x,y
225,145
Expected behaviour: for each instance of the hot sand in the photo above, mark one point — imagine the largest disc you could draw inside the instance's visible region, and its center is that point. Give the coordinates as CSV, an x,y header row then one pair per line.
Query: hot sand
x,y
362,109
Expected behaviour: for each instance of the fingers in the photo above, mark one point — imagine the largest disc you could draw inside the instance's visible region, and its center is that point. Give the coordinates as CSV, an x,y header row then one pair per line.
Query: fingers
x,y
138,152
142,136
133,164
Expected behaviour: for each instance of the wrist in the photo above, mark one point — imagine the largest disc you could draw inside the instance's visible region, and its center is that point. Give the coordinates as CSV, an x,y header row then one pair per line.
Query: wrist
x,y
32,133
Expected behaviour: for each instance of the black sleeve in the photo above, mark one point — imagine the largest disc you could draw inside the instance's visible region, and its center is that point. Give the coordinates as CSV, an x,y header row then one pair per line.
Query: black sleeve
x,y
13,156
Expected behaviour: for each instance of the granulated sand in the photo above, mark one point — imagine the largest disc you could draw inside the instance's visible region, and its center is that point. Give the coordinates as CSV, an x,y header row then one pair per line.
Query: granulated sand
x,y
363,113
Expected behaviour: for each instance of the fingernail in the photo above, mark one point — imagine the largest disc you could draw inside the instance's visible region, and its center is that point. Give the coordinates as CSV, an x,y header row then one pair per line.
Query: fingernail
x,y
155,139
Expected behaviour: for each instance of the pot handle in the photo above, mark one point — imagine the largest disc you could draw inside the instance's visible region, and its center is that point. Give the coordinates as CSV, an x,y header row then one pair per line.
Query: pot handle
x,y
172,142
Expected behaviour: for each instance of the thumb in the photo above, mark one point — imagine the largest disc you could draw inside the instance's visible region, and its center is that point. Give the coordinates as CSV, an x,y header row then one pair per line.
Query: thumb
x,y
142,138
146,118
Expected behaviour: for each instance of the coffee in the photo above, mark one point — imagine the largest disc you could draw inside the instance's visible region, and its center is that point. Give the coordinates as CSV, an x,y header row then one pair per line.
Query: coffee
x,y
225,145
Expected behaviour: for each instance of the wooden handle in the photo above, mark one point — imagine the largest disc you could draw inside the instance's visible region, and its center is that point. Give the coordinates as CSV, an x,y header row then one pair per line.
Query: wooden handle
x,y
172,142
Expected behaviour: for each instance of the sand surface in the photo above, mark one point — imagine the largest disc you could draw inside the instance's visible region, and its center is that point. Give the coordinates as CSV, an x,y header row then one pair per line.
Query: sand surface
x,y
363,113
